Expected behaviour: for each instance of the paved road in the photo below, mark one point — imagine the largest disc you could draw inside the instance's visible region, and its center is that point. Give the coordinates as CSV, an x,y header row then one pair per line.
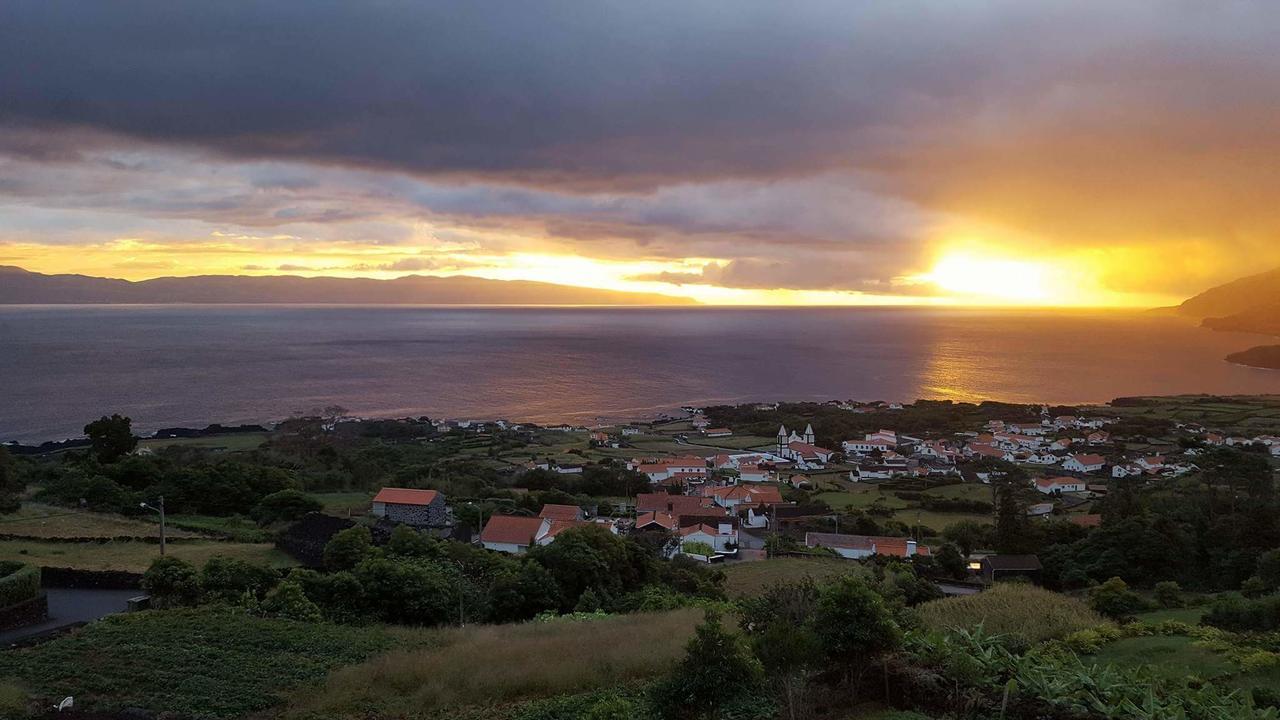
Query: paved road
x,y
73,606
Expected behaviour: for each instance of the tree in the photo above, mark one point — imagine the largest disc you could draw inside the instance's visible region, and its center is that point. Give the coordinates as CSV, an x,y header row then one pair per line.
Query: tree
x,y
592,557
854,626
1168,594
1011,516
289,601
413,592
348,548
1269,569
284,505
407,542
11,482
779,624
717,672
1114,599
228,579
952,562
111,437
171,582
968,535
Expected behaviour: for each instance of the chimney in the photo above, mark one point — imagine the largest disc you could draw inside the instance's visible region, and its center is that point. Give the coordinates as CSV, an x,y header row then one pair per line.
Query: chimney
x,y
911,547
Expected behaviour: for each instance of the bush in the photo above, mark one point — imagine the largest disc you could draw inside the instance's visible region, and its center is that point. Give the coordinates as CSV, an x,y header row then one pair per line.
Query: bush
x,y
18,582
285,505
348,548
1168,594
717,671
1114,599
288,601
1240,614
171,582
697,548
225,579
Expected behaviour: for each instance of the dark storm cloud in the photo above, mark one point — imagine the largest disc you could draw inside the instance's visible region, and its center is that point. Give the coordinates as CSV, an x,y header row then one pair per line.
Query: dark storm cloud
x,y
608,94
812,143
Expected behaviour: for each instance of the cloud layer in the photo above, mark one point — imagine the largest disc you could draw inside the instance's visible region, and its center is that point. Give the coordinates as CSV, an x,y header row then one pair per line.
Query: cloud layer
x,y
830,145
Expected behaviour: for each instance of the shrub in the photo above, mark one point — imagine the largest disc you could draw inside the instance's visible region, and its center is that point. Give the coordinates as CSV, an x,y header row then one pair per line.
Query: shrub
x,y
697,548
348,548
1239,614
228,579
1031,613
1168,594
288,601
285,505
1115,600
717,671
18,582
171,582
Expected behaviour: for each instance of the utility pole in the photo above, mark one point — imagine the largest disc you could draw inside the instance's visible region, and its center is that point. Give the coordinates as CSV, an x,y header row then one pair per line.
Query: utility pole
x,y
158,508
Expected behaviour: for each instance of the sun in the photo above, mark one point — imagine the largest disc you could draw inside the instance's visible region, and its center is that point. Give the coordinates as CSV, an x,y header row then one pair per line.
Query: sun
x,y
991,279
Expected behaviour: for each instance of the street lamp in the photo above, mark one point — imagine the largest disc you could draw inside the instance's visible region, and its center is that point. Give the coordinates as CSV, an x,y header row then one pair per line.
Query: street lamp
x,y
159,507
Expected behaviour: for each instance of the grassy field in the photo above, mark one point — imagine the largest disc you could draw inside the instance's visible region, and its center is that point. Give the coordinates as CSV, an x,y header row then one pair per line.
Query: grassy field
x,y
751,578
235,527
199,664
1170,656
496,665
134,556
860,496
345,503
962,491
937,520
737,442
1027,611
48,521
231,443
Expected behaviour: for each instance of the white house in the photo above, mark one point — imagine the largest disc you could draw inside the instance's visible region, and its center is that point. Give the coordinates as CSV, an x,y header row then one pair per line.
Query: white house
x,y
1084,463
863,546
1049,486
719,536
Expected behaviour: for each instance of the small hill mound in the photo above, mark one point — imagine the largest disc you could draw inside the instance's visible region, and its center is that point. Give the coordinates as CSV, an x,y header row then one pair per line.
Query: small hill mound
x,y
1026,611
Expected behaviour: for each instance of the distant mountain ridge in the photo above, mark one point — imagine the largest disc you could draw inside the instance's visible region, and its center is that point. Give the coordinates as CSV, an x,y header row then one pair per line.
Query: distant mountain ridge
x,y
1250,304
19,286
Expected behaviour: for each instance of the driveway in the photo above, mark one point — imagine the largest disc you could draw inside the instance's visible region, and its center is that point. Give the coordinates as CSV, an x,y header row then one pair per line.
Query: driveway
x,y
67,607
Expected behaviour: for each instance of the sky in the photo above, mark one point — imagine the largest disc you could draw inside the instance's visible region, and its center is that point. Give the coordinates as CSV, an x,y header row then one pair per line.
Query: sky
x,y
737,152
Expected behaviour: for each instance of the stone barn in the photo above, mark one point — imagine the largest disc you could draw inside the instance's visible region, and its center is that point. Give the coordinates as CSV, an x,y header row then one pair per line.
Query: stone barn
x,y
419,508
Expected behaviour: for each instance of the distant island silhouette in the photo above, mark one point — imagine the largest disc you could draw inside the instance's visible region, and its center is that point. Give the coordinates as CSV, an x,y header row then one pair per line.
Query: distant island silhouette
x,y
19,286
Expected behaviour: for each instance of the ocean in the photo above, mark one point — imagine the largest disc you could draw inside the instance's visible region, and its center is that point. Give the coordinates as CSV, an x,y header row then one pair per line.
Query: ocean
x,y
61,366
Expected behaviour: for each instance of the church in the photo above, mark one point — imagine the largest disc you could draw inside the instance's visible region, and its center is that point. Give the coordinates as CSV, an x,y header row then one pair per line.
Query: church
x,y
800,448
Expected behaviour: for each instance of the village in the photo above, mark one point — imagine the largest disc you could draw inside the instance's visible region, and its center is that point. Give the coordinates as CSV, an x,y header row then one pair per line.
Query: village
x,y
728,497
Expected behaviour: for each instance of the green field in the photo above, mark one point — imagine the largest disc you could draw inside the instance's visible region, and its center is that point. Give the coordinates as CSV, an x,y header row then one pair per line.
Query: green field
x,y
231,443
962,491
751,578
134,556
860,496
35,520
345,504
1169,656
198,664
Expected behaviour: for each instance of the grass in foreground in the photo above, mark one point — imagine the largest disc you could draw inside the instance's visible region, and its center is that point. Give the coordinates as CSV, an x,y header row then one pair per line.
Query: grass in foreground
x,y
134,556
748,579
37,520
1174,657
1027,611
200,664
496,665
